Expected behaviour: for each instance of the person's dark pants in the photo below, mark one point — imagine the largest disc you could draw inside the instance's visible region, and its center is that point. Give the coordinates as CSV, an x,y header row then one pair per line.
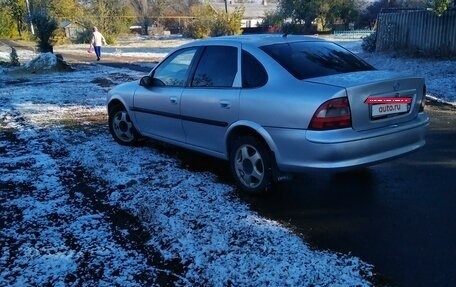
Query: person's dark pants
x,y
98,52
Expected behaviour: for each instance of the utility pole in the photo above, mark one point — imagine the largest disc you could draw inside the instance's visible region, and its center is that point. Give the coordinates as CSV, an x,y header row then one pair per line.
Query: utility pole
x,y
28,12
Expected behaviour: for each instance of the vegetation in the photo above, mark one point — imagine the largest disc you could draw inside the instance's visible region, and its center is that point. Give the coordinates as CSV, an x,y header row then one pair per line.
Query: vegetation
x,y
7,25
208,22
200,26
228,23
328,15
440,6
325,14
369,43
14,59
45,27
20,18
112,17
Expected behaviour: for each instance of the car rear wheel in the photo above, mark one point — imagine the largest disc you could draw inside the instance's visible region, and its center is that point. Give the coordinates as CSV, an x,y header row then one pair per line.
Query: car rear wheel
x,y
121,126
251,164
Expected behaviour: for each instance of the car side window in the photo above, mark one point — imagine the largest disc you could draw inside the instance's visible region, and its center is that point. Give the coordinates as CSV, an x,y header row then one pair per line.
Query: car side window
x,y
216,68
253,73
174,71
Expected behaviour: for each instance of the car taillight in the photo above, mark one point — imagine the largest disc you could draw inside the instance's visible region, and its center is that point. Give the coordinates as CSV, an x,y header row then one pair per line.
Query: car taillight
x,y
423,100
333,114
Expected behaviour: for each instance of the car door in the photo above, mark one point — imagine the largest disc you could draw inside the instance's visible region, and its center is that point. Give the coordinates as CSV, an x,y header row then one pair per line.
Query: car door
x,y
157,107
211,101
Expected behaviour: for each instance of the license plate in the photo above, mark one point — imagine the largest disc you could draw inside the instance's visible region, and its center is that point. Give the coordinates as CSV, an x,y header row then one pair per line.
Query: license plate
x,y
388,109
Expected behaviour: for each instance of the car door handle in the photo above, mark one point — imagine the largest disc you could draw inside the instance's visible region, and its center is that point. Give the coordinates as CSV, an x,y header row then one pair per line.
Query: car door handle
x,y
173,100
225,104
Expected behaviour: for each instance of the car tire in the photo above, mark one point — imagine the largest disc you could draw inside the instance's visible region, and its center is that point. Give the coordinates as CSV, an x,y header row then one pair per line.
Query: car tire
x,y
251,163
121,127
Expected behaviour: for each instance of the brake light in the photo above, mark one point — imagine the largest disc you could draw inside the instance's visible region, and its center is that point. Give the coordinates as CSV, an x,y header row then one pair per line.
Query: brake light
x,y
423,99
333,114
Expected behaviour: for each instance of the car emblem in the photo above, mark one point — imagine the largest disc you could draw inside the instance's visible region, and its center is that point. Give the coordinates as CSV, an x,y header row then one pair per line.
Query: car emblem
x,y
396,86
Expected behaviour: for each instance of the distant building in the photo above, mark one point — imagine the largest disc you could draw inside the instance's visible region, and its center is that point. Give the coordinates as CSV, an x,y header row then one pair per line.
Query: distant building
x,y
254,12
72,29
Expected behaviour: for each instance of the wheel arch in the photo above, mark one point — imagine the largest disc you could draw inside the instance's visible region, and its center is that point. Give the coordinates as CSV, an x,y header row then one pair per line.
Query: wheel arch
x,y
252,129
113,103
119,102
123,129
263,137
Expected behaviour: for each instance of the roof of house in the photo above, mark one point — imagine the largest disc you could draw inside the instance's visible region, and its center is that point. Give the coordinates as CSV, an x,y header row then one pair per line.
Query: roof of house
x,y
66,23
251,10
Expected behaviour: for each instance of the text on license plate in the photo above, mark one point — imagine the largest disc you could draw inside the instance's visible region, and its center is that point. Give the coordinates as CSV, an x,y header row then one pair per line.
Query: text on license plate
x,y
387,109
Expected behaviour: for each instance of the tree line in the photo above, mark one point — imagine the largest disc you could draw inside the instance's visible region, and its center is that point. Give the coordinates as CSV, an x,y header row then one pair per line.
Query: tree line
x,y
329,14
40,19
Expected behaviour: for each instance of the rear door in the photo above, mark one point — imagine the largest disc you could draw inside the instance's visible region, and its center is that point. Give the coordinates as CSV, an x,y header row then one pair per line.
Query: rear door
x,y
211,102
157,108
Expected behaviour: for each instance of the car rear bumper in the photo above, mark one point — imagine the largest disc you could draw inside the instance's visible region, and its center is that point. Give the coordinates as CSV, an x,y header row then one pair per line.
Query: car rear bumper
x,y
300,150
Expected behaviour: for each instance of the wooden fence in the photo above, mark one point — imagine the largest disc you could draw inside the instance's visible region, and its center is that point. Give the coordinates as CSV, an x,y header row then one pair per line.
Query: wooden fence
x,y
420,32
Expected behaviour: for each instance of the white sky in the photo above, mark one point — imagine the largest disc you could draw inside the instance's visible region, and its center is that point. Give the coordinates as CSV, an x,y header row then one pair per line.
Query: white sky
x,y
53,127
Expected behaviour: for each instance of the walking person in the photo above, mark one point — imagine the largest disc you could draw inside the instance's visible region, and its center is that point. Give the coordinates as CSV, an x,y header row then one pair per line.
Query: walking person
x,y
97,40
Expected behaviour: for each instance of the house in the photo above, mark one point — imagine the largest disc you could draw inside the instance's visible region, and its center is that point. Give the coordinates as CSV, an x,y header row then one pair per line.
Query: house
x,y
72,29
254,12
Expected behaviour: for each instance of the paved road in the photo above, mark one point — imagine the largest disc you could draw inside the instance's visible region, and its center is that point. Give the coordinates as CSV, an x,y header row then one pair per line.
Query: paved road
x,y
399,216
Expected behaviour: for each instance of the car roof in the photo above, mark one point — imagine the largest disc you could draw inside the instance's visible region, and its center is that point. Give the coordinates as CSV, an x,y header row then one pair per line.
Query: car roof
x,y
257,40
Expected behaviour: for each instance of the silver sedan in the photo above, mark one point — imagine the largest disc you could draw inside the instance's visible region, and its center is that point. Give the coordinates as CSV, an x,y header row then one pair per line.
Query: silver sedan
x,y
271,105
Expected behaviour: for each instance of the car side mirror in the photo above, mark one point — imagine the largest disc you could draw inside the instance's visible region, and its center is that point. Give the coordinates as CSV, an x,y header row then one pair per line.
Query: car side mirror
x,y
146,81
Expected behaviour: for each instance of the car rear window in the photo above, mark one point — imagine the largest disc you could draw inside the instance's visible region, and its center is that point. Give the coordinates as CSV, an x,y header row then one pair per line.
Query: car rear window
x,y
315,59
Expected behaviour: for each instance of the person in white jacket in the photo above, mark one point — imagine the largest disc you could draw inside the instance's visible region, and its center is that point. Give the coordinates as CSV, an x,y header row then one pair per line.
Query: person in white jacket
x,y
97,41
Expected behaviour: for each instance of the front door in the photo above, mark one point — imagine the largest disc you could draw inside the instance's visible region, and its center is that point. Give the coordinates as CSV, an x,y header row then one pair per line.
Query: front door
x,y
157,107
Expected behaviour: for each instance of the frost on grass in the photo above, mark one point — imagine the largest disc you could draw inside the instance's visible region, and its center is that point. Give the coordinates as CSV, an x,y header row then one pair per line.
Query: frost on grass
x,y
201,223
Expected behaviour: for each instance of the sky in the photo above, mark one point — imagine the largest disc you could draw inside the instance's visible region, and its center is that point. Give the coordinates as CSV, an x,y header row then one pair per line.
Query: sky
x,y
64,181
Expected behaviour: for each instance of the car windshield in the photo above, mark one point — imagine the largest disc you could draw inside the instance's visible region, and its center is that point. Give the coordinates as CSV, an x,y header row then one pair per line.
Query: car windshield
x,y
315,59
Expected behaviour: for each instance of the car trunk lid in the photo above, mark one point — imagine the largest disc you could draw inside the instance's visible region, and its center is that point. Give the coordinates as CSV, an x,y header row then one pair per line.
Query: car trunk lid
x,y
378,98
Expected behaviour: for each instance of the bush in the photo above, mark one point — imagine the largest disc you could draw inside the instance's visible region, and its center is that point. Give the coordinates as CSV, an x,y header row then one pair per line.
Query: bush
x,y
228,23
59,38
369,43
198,29
14,58
45,26
110,39
200,26
272,19
208,23
8,28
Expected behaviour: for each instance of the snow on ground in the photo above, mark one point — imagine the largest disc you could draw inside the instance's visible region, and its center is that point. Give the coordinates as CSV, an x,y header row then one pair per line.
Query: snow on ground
x,y
440,75
65,181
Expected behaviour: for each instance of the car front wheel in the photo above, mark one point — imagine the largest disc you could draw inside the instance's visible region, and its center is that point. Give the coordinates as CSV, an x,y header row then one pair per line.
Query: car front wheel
x,y
121,126
251,164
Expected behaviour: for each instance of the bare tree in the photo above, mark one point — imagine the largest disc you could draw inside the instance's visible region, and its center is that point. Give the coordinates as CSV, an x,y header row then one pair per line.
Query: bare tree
x,y
148,11
143,12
